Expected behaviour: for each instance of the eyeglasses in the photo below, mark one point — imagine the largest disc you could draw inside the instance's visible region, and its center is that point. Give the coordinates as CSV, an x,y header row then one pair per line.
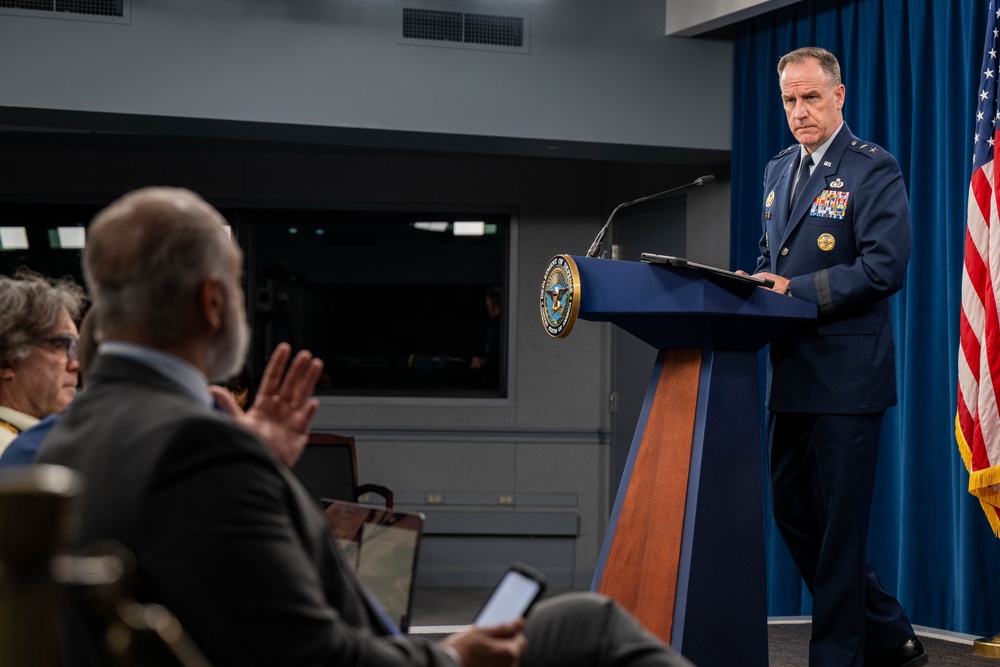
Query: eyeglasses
x,y
71,343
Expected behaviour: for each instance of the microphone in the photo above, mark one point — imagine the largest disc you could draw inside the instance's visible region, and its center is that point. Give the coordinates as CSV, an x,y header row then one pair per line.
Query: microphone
x,y
595,247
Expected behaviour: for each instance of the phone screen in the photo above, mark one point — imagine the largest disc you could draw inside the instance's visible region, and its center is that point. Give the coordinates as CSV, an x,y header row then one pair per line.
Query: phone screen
x,y
510,599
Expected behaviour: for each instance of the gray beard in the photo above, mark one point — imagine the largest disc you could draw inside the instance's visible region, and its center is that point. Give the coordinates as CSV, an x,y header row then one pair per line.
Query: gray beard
x,y
227,354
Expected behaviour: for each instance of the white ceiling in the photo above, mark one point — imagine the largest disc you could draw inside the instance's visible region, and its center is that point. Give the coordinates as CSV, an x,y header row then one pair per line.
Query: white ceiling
x,y
686,18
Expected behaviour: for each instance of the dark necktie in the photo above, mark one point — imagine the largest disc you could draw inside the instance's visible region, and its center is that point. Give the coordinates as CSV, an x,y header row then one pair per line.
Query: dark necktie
x,y
801,179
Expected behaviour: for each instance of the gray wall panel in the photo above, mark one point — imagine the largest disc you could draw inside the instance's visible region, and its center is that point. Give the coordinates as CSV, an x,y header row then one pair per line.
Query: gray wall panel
x,y
597,71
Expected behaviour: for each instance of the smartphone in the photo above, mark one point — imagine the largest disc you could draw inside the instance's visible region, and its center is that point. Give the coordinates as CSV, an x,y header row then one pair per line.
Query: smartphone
x,y
519,588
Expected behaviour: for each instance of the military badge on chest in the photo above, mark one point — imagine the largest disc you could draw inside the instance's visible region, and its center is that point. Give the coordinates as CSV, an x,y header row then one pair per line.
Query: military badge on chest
x,y
831,203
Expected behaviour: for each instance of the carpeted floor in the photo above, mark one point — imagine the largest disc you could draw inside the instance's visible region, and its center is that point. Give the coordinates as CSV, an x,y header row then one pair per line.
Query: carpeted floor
x,y
440,610
788,646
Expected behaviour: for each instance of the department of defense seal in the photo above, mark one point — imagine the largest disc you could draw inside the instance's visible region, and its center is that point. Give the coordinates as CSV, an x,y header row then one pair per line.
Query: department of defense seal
x,y
826,242
559,300
770,199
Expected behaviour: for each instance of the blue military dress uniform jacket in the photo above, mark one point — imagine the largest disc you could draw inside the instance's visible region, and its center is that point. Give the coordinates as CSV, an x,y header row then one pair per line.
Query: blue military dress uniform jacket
x,y
845,245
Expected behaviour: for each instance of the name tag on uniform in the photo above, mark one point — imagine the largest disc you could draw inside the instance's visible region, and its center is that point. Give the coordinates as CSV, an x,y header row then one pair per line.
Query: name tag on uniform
x,y
830,204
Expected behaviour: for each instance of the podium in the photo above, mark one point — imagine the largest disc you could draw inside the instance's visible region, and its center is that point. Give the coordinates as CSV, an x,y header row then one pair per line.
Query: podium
x,y
684,549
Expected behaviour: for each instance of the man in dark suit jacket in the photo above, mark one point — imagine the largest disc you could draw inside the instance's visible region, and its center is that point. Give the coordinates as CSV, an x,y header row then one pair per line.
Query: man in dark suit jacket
x,y
222,533
836,233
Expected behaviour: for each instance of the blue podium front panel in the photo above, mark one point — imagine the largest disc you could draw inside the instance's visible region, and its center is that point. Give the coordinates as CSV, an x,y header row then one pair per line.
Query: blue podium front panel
x,y
684,551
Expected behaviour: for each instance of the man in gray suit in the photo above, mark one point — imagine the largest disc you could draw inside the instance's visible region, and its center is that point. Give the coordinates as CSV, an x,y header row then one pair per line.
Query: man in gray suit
x,y
222,533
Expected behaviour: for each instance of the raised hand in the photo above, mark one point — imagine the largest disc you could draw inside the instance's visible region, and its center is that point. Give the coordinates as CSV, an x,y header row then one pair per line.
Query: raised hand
x,y
283,408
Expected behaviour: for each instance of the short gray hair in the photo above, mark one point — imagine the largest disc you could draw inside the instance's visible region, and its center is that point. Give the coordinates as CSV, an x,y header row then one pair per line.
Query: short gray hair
x,y
146,254
30,308
828,61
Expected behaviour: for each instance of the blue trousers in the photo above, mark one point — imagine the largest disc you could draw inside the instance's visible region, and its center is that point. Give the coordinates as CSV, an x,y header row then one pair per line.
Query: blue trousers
x,y
822,471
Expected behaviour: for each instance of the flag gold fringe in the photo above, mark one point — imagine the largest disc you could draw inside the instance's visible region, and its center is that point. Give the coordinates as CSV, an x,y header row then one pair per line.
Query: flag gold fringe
x,y
963,445
981,482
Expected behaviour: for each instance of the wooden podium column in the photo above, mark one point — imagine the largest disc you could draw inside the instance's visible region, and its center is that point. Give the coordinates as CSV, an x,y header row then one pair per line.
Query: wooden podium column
x,y
642,563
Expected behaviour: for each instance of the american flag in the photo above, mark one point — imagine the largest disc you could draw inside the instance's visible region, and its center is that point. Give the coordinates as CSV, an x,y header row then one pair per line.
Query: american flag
x,y
977,423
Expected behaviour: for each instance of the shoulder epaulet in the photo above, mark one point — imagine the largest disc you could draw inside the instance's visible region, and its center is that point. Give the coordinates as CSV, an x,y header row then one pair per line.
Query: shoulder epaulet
x,y
866,148
793,147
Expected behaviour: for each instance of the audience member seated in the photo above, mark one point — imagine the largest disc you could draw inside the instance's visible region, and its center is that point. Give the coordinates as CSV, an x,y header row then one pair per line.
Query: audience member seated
x,y
23,448
38,349
223,533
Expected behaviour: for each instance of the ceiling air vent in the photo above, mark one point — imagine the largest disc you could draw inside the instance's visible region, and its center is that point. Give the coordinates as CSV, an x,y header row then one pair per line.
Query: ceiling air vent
x,y
116,11
438,26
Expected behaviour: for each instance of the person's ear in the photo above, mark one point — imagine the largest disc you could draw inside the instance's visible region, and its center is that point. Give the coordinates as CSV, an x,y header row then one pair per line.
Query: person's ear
x,y
6,371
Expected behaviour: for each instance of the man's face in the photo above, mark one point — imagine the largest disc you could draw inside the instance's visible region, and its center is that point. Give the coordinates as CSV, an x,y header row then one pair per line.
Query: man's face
x,y
45,381
812,105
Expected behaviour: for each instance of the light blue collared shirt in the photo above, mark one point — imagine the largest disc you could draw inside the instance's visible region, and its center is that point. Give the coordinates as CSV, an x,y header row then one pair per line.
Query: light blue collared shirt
x,y
180,372
818,154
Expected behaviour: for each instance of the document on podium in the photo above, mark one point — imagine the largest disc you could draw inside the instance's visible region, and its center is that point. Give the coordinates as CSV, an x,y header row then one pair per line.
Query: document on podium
x,y
651,258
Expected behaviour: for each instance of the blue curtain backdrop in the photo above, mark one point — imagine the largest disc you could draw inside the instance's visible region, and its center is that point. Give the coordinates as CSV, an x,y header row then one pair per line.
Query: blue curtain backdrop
x,y
911,69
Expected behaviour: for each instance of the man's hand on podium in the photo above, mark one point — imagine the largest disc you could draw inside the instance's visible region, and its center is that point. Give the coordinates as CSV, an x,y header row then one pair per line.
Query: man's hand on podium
x,y
780,282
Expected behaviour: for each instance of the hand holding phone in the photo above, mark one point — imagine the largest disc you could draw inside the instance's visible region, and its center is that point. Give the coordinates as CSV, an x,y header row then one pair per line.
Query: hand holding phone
x,y
519,588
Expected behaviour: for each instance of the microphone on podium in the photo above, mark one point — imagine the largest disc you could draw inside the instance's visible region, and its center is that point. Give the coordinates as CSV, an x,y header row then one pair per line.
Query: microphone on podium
x,y
595,247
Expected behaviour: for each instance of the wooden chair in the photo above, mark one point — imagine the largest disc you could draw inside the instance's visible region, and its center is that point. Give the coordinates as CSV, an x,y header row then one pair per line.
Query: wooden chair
x,y
329,469
37,508
40,581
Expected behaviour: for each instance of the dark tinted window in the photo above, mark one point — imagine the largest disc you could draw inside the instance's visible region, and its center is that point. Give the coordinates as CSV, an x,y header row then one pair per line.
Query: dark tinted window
x,y
394,303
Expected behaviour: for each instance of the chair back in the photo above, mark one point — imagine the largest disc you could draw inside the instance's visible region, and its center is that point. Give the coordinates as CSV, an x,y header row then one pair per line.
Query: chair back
x,y
328,466
40,582
329,469
37,511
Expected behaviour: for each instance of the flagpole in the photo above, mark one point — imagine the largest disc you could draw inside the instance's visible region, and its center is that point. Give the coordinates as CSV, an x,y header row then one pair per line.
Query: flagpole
x,y
977,438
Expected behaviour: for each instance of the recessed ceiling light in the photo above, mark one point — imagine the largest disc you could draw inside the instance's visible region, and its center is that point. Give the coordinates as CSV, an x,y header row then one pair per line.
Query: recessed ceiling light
x,y
468,228
13,238
71,237
436,226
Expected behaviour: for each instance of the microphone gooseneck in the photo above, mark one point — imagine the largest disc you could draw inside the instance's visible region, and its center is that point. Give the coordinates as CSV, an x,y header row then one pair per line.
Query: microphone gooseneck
x,y
595,247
